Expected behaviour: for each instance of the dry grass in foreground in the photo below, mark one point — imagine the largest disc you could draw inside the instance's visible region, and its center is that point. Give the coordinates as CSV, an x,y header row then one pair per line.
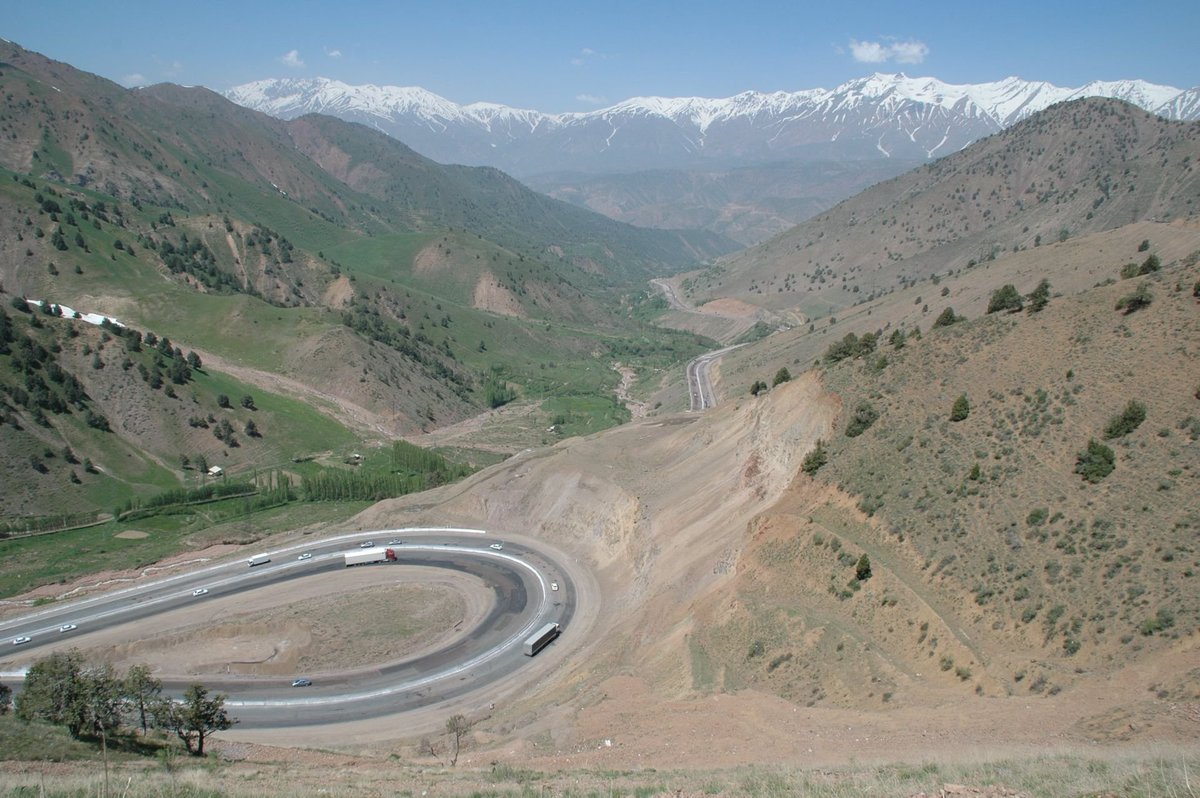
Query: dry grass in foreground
x,y
1148,771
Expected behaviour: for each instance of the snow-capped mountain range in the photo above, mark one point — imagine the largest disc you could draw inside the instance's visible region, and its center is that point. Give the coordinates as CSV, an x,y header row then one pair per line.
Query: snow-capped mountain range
x,y
873,117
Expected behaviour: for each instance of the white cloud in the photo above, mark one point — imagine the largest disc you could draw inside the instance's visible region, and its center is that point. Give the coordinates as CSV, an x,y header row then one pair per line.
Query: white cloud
x,y
136,79
591,99
908,52
334,53
292,59
585,54
868,52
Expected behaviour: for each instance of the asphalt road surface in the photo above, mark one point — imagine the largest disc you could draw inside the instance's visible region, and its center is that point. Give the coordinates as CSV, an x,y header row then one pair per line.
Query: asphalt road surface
x,y
519,577
699,378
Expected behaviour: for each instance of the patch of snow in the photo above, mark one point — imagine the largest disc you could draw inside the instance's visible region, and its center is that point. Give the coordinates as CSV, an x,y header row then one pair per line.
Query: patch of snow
x,y
70,313
938,146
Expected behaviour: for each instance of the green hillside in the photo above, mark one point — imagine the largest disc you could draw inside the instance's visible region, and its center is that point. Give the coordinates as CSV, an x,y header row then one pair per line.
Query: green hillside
x,y
365,289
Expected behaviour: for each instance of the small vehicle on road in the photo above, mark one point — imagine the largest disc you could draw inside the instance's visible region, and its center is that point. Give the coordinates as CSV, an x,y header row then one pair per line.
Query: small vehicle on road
x,y
305,556
367,544
302,683
554,585
396,542
20,641
67,627
497,546
200,591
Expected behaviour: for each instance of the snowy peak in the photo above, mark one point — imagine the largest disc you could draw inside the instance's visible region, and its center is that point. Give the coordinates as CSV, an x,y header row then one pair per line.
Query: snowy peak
x,y
1138,92
1183,106
289,98
879,115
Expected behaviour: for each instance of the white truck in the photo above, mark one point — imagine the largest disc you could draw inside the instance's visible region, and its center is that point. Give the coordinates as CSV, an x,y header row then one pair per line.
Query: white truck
x,y
541,638
261,559
364,556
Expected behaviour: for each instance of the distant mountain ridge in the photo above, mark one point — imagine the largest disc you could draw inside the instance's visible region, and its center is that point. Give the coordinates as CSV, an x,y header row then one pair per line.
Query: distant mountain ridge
x,y
879,116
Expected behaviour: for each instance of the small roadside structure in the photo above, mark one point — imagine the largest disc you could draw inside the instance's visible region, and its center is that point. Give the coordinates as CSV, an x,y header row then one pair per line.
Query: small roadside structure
x,y
216,471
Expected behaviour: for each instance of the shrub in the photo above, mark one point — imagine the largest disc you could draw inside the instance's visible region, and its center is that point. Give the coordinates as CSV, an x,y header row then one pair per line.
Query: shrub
x,y
862,569
1139,299
781,376
864,416
1164,619
946,318
961,408
1096,462
1005,298
1039,297
1148,266
816,458
851,346
1128,420
758,387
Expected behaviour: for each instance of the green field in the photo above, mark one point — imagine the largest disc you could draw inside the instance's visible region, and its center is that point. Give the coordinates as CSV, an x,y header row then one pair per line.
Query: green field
x,y
59,557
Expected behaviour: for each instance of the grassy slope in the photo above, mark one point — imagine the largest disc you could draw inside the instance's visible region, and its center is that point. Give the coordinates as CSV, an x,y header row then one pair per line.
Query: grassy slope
x,y
188,147
47,560
150,429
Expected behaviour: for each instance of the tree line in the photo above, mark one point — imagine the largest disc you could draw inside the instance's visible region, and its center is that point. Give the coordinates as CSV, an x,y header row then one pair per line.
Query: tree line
x,y
94,701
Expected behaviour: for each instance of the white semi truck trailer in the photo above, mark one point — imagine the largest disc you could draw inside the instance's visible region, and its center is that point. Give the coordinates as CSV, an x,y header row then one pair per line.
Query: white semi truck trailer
x,y
365,556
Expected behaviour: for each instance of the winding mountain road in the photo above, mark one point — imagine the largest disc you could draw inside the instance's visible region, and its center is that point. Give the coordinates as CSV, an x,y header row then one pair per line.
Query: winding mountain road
x,y
519,576
701,394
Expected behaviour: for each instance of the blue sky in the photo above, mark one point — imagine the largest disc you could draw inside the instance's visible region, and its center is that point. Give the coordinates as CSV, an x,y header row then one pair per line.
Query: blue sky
x,y
564,56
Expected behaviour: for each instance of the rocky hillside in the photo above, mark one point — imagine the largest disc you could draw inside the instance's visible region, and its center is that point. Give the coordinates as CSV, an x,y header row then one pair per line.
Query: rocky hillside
x,y
1073,169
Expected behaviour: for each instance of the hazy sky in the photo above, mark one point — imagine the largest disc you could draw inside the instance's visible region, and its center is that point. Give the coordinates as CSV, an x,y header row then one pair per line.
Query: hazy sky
x,y
565,56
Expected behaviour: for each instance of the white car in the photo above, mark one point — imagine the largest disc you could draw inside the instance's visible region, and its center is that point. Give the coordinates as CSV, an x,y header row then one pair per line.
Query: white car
x,y
67,627
20,641
367,544
554,585
200,591
305,556
396,542
497,546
